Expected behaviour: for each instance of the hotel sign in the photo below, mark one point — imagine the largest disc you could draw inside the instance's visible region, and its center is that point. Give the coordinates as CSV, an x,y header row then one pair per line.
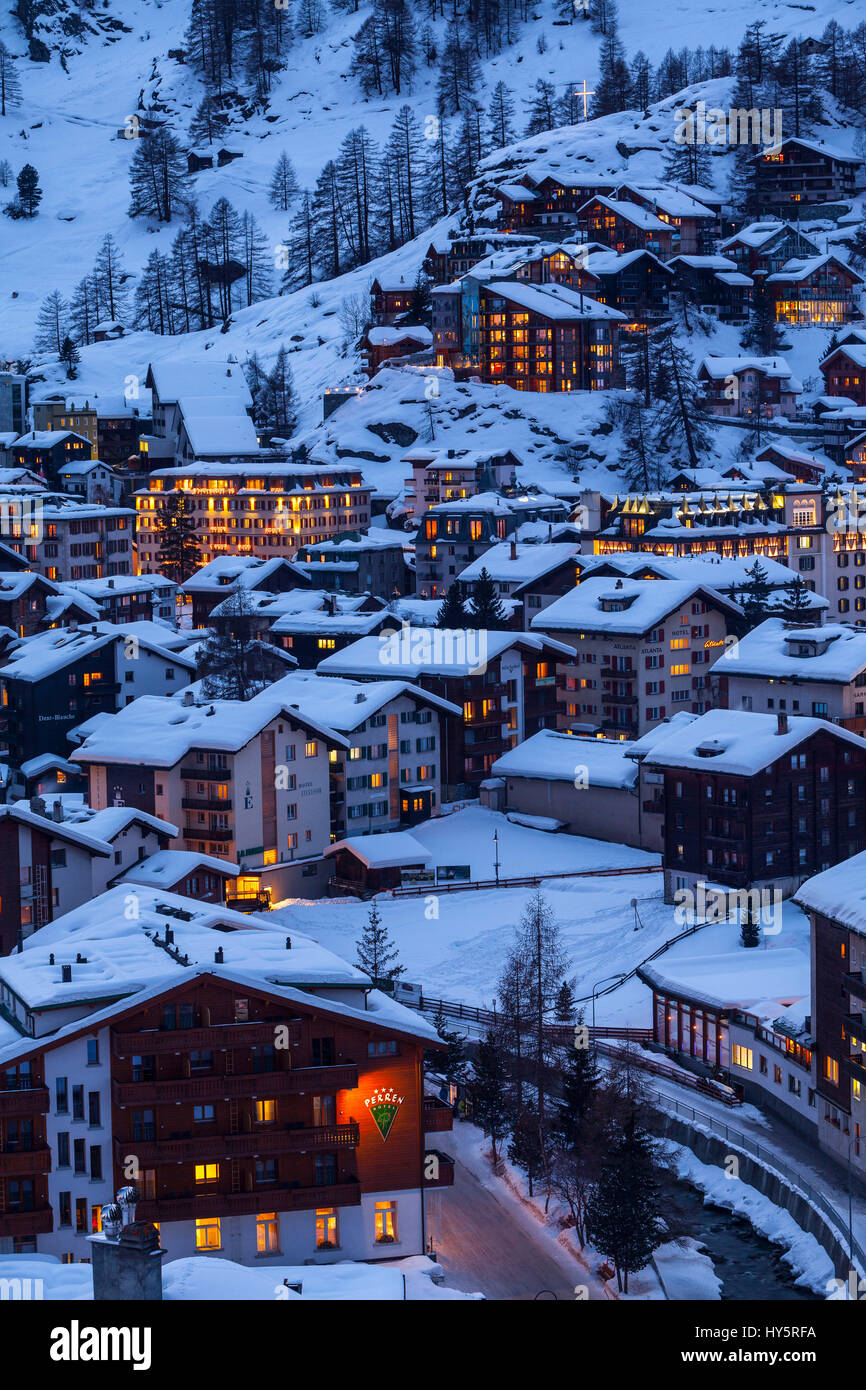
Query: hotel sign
x,y
383,1106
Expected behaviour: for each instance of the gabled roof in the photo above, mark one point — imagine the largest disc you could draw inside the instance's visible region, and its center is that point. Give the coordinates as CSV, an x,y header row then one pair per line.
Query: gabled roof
x,y
739,742
647,602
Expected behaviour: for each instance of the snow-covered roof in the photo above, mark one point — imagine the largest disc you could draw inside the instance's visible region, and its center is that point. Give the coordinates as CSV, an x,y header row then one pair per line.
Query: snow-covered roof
x,y
797,270
159,730
646,603
731,976
112,585
838,893
344,704
418,651
169,866
630,212
44,653
227,572
559,757
757,234
612,262
739,742
833,653
202,377
393,849
46,439
553,301
674,201
386,335
520,563
46,762
777,367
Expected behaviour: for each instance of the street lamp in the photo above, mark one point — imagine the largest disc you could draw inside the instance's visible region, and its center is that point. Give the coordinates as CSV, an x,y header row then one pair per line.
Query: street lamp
x,y
496,854
603,981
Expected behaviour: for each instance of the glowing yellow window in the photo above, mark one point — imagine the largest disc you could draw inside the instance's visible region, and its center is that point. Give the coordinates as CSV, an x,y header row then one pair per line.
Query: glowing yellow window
x,y
680,670
377,779
311,749
326,1229
265,1112
267,1233
831,1070
741,1056
269,856
678,643
207,1172
386,1223
207,1233
327,643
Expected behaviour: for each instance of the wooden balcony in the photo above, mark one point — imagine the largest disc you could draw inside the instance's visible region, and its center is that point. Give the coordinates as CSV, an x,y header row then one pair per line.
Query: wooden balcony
x,y
248,1145
27,1223
205,774
25,1163
205,803
438,1116
35,1101
246,1086
205,832
150,1042
443,1169
188,1208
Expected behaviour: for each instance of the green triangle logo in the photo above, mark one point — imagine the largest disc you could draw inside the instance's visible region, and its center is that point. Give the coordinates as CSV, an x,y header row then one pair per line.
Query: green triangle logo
x,y
383,1106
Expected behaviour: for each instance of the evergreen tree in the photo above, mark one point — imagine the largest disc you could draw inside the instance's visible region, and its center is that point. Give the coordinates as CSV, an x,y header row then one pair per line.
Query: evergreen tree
x,y
70,355
489,1092
179,553
233,662
753,595
300,248
679,422
454,1066
581,1079
327,222
763,333
641,80
526,1149
613,89
29,192
500,117
10,86
378,956
539,942
452,613
284,184
689,163
541,114
622,1218
110,278
278,401
750,927
487,610
157,177
421,307
797,603
52,323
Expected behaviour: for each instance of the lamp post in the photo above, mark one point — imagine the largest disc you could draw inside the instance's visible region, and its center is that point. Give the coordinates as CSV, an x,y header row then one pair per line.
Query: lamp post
x,y
496,854
603,981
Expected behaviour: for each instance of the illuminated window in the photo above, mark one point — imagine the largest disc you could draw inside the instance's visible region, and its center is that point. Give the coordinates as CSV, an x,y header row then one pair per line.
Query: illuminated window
x,y
680,670
678,643
327,643
265,1112
267,1233
311,749
831,1070
207,1172
207,1233
741,1056
386,1223
326,1229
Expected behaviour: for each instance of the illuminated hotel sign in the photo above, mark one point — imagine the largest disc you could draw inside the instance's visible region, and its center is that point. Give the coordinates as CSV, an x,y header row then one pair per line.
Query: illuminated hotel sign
x,y
383,1106
714,642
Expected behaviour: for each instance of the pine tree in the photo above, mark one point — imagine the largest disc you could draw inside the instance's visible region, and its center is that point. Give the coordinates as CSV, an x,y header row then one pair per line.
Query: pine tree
x,y
539,942
233,662
689,163
641,80
753,595
542,109
300,248
70,355
109,277
797,602
489,1092
500,117
763,333
52,323
526,1150
613,89
278,401
679,422
10,86
750,927
29,192
378,956
622,1218
487,610
581,1078
284,184
179,553
452,613
157,177
454,1066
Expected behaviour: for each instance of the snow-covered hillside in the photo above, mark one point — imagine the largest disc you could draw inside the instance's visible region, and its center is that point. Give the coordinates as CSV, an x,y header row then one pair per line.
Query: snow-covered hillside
x,y
68,121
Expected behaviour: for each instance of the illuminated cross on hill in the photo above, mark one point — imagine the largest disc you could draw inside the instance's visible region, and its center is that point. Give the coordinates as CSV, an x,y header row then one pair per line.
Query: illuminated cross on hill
x,y
585,93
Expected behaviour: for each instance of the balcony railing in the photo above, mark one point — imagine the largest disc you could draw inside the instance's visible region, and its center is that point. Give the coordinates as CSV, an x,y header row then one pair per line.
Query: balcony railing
x,y
438,1117
27,1223
215,803
188,1208
207,832
304,1139
205,774
440,1174
218,1035
25,1162
245,1086
34,1100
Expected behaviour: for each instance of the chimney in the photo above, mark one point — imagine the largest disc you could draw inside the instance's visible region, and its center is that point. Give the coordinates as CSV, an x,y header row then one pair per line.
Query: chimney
x,y
66,974
288,943
188,697
57,810
219,958
781,723
514,550
169,935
